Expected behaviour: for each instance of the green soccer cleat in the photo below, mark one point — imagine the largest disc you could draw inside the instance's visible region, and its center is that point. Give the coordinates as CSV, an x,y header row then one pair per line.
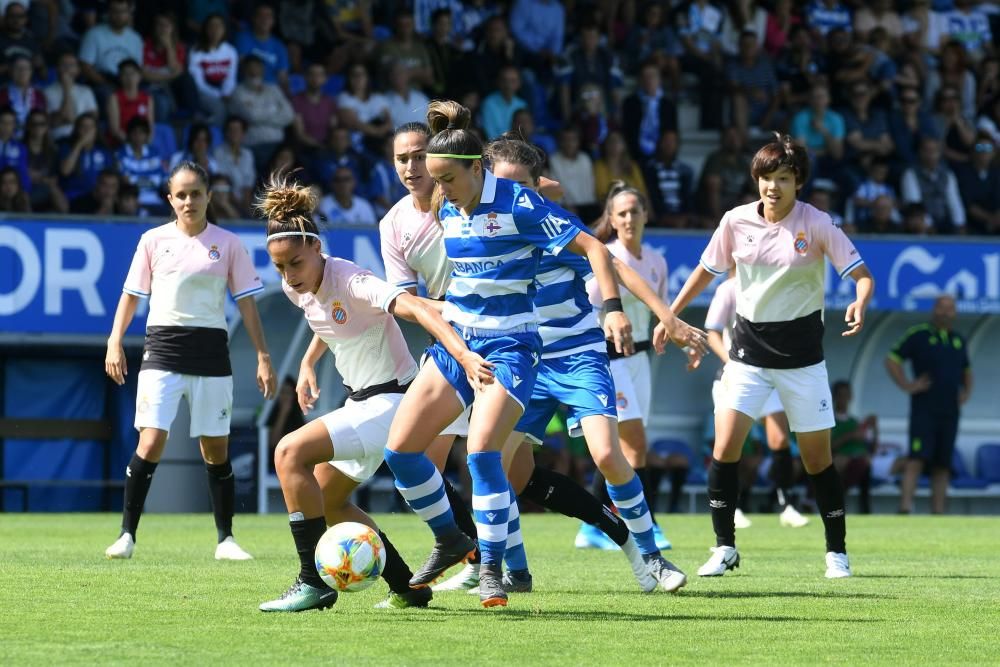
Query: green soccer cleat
x,y
302,597
418,597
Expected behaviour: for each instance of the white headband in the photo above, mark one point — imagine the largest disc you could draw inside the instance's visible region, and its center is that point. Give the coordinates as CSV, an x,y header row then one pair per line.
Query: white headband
x,y
280,235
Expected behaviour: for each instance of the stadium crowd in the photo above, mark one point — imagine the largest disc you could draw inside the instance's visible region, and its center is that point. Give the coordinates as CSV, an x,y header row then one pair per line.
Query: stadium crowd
x,y
898,101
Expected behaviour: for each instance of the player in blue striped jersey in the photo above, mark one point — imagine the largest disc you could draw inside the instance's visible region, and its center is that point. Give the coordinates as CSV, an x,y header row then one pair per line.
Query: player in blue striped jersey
x,y
574,371
494,233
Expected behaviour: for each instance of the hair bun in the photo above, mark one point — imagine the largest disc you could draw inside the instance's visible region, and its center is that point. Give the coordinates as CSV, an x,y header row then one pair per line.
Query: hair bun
x,y
285,199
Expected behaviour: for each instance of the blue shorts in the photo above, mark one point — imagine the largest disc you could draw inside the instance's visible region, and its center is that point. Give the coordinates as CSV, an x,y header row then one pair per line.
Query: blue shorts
x,y
514,358
582,382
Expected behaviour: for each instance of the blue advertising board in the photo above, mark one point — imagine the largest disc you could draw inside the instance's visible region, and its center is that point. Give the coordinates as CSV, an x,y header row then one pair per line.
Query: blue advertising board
x,y
64,276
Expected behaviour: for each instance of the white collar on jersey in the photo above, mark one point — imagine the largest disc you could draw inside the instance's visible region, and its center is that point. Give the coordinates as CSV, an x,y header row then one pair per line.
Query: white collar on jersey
x,y
489,188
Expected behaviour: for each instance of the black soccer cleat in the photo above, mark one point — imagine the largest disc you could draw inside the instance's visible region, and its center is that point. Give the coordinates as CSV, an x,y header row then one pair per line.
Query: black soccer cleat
x,y
491,588
447,552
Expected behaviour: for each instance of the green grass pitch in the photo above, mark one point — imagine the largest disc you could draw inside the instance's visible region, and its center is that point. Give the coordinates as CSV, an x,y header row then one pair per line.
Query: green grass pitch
x,y
926,590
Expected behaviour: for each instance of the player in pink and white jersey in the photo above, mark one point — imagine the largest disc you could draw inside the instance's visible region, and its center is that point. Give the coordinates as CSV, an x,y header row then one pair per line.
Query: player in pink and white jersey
x,y
778,246
350,312
184,268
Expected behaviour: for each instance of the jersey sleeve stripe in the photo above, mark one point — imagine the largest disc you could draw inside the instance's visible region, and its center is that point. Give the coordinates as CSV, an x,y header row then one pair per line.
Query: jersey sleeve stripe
x,y
250,292
407,283
850,267
713,271
133,292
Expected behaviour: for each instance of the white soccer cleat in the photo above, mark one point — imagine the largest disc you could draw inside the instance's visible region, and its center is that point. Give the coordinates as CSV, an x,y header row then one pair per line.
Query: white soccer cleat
x,y
740,519
722,559
122,548
229,550
465,580
837,565
790,518
647,582
668,575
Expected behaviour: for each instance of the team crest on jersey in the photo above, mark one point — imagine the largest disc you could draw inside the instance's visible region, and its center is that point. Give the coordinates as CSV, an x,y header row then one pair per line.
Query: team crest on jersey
x,y
339,313
214,254
622,401
492,227
801,244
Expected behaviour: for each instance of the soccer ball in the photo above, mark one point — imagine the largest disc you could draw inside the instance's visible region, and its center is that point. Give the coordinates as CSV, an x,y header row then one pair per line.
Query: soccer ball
x,y
350,557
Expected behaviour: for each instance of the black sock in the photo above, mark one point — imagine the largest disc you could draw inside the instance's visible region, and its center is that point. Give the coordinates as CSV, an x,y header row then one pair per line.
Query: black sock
x,y
649,490
222,487
463,517
599,489
678,476
306,533
723,490
864,492
397,574
782,475
561,494
830,502
138,477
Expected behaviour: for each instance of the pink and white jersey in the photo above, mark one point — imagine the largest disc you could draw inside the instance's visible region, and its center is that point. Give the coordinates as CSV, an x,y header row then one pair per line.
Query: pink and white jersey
x,y
350,313
722,311
652,266
412,247
185,277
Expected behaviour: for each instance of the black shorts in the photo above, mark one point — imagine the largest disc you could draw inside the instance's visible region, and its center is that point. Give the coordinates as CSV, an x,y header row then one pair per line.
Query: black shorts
x,y
932,438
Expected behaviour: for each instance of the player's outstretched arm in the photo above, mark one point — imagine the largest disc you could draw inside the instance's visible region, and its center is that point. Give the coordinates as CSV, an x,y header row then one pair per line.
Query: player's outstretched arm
x,y
616,325
114,361
266,380
696,283
865,287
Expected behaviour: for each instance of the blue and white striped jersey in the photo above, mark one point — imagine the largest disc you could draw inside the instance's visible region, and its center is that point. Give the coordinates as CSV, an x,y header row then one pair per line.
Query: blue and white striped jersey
x,y
495,254
567,320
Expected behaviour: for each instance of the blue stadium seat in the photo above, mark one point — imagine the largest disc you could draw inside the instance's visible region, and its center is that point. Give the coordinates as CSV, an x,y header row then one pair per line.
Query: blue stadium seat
x,y
668,446
164,139
988,463
960,477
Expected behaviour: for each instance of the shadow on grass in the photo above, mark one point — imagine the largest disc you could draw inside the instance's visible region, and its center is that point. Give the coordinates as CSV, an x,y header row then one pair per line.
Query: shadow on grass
x,y
736,595
521,614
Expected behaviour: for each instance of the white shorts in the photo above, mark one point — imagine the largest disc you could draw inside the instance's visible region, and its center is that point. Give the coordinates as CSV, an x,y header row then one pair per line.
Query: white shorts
x,y
359,431
804,392
210,400
633,386
771,405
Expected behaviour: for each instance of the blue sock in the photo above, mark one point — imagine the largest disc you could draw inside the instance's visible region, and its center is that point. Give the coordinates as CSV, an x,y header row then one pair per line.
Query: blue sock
x,y
516,557
490,505
420,483
631,503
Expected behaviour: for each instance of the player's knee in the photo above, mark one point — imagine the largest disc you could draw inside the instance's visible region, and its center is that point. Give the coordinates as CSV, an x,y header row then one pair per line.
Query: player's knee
x,y
286,454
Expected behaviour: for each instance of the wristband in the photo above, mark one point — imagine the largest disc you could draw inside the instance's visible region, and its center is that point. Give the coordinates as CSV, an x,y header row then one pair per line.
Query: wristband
x,y
613,306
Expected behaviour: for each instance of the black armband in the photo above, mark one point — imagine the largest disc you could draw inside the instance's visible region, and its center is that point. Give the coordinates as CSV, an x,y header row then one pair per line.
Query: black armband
x,y
613,306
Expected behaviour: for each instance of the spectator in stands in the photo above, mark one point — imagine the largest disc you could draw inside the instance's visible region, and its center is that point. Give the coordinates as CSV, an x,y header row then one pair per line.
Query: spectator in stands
x,y
349,25
299,24
753,85
164,66
725,176
523,123
700,29
198,12
496,51
799,68
13,153
821,130
129,102
447,59
922,28
987,82
499,106
13,198
82,158
593,120
989,120
266,109
908,125
224,204
384,188
575,170
538,27
670,183
364,112
654,40
342,206
780,21
17,40
957,131
213,65
340,152
106,45
873,188
969,26
883,219
407,104
867,129
284,160
127,201
742,16
20,95
197,150
236,161
822,16
315,111
853,442
979,185
647,113
915,219
259,41
953,71
941,384
406,48
615,164
42,165
588,63
933,184
878,14
101,200
65,98
141,164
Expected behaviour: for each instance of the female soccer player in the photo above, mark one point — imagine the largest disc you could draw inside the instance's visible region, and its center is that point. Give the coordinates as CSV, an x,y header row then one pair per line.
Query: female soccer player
x,y
494,232
778,245
184,268
350,312
621,227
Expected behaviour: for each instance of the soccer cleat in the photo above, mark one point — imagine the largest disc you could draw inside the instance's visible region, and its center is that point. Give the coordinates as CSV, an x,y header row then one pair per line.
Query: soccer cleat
x,y
722,559
302,597
417,597
519,582
447,552
740,519
229,550
647,582
837,565
122,548
666,573
790,518
592,537
465,580
491,589
662,543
